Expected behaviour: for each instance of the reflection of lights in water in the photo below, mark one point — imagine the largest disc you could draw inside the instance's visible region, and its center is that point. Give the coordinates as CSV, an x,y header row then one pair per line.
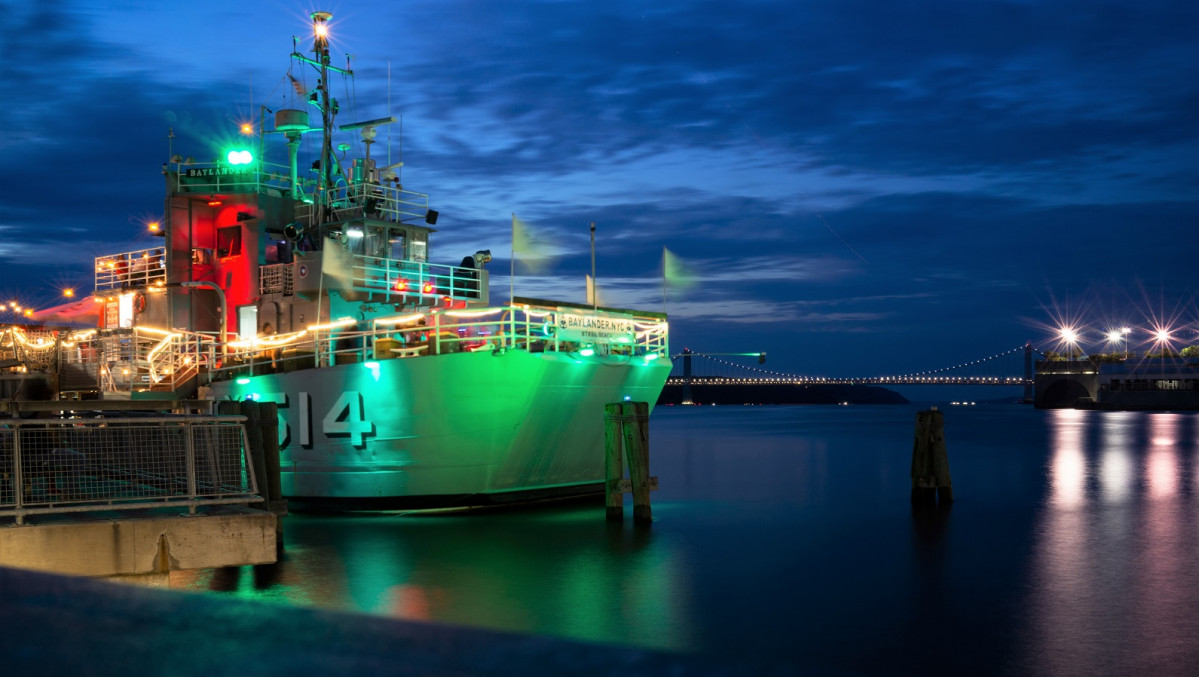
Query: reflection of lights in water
x,y
1068,467
1115,475
1163,429
1115,465
1161,472
1161,466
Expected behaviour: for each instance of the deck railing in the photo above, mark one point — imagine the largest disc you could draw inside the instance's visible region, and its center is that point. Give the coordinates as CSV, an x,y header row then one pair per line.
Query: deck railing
x,y
381,201
146,359
140,268
79,465
581,333
418,279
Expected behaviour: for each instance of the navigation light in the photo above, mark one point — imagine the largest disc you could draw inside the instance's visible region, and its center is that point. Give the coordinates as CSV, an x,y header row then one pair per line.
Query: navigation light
x,y
239,157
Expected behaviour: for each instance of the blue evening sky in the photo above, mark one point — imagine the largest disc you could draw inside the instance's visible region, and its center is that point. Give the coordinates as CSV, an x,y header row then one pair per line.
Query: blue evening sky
x,y
858,187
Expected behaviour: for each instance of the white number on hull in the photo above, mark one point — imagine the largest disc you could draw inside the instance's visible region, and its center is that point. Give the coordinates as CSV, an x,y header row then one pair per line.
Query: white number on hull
x,y
346,418
280,413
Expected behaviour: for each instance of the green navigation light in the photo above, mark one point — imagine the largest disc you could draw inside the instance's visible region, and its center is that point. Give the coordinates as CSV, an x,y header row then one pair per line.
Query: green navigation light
x,y
240,157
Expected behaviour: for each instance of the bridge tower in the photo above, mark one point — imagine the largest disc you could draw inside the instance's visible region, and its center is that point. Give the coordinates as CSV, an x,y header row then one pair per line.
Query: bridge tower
x,y
1028,373
686,376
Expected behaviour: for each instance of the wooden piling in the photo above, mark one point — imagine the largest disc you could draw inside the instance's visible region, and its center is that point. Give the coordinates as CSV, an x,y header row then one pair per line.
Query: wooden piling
x,y
636,444
930,461
250,410
626,424
262,436
613,461
273,491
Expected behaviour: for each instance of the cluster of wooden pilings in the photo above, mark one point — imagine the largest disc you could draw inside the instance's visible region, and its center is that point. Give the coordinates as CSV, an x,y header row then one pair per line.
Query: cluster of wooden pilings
x,y
262,435
626,437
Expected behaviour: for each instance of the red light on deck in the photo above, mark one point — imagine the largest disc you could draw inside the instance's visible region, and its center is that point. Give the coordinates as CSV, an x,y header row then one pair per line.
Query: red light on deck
x,y
215,203
401,285
428,288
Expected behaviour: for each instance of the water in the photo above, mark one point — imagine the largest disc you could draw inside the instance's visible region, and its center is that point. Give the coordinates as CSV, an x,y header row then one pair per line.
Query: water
x,y
784,535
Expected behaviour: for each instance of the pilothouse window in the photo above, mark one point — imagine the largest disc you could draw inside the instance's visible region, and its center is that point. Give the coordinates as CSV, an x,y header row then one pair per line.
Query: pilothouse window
x,y
228,241
396,242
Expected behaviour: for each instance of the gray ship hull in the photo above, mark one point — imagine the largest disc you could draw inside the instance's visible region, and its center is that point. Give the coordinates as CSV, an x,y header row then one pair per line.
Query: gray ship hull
x,y
463,428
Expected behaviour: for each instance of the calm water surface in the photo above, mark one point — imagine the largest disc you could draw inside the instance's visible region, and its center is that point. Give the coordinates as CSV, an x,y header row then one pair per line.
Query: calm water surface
x,y
784,536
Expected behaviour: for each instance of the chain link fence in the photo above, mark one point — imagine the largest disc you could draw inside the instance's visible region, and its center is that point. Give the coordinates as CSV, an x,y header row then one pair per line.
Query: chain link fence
x,y
74,465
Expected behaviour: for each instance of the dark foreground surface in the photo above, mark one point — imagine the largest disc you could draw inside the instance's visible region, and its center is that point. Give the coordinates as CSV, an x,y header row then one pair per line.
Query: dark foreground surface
x,y
57,625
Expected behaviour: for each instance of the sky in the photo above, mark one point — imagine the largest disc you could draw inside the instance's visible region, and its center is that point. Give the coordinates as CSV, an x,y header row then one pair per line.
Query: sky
x,y
857,188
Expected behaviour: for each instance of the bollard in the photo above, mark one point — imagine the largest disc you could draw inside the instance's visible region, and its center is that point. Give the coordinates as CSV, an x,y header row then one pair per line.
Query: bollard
x,y
626,424
930,461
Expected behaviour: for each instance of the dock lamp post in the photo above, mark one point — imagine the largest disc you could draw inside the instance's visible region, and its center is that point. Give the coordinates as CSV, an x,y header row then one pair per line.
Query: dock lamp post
x,y
1119,338
1070,338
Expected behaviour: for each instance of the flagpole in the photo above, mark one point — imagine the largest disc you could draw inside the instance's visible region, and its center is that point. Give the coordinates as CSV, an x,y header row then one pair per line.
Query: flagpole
x,y
594,286
663,280
512,264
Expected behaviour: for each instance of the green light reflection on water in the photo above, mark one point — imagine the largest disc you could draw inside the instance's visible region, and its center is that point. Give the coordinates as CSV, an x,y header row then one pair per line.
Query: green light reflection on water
x,y
560,571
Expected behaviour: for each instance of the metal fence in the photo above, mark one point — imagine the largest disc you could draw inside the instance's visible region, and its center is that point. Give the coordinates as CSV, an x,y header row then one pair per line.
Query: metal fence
x,y
77,465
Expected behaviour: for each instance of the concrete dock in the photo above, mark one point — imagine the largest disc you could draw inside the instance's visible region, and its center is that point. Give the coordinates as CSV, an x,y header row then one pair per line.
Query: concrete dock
x,y
141,546
134,495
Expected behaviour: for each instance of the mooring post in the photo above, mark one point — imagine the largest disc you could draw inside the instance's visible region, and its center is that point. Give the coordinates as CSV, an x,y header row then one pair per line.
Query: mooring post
x,y
249,409
613,461
269,412
636,443
930,461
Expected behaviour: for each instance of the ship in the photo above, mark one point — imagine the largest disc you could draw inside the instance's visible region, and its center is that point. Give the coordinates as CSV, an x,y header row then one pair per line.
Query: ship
x,y
309,282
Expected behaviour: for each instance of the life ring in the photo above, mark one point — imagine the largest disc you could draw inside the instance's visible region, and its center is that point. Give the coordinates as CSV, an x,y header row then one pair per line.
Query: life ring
x,y
139,303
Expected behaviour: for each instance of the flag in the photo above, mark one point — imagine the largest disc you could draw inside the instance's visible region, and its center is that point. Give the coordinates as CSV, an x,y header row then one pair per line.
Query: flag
x,y
531,248
594,297
675,272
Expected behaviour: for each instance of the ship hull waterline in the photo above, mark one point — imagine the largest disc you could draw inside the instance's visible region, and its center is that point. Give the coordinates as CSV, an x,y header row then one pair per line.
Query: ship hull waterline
x,y
446,430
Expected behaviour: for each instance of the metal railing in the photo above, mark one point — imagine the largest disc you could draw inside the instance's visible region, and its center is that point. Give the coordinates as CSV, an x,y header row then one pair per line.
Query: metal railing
x,y
79,465
277,278
416,279
380,201
222,177
145,359
140,268
533,328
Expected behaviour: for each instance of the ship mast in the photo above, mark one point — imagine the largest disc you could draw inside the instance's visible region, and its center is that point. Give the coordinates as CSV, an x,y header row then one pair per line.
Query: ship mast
x,y
328,107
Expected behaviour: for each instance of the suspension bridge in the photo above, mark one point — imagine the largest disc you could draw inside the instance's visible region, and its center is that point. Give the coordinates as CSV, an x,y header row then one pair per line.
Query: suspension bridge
x,y
1014,367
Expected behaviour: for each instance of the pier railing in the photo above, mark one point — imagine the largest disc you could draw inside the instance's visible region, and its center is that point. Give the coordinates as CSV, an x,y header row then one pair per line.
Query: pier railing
x,y
78,465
